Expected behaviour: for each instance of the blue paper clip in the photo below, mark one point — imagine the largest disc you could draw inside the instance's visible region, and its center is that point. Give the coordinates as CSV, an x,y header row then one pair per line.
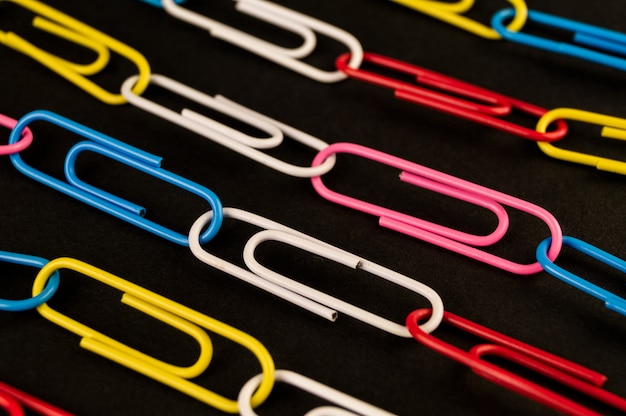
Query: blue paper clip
x,y
611,300
158,3
30,303
125,154
584,34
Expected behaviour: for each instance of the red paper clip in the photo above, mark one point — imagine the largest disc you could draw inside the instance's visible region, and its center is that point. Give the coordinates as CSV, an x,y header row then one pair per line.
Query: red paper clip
x,y
566,372
12,399
498,105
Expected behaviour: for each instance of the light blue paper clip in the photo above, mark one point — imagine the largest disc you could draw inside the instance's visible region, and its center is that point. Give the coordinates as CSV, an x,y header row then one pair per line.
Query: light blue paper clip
x,y
611,301
584,34
125,154
30,303
157,3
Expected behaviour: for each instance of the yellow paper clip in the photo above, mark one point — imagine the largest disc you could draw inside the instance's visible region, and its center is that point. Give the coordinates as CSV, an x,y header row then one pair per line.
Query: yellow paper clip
x,y
613,128
55,22
174,314
451,14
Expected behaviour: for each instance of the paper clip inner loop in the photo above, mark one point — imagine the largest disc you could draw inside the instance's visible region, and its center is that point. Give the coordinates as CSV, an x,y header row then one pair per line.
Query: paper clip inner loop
x,y
489,115
585,34
123,153
226,136
445,237
17,398
347,259
174,314
300,295
73,30
23,143
282,17
611,301
451,14
31,303
313,387
613,127
566,372
10,405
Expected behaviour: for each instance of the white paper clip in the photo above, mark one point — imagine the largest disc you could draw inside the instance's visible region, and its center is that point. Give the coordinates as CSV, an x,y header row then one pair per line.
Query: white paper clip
x,y
226,136
315,301
285,18
314,387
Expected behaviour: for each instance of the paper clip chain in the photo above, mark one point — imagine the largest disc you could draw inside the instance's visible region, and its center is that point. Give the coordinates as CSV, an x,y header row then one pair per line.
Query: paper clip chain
x,y
174,314
451,14
314,387
12,400
563,371
73,30
23,143
611,301
282,17
448,185
585,34
613,127
310,299
124,153
224,135
486,115
31,303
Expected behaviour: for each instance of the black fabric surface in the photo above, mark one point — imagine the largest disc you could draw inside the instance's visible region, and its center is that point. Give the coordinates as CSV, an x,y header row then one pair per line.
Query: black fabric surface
x,y
394,373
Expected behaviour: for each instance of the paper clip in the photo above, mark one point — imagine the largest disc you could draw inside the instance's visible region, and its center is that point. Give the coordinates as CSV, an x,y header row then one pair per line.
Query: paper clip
x,y
452,186
451,14
584,34
611,301
613,127
26,140
313,387
499,105
66,27
174,314
310,299
31,303
227,136
124,153
12,400
284,18
570,374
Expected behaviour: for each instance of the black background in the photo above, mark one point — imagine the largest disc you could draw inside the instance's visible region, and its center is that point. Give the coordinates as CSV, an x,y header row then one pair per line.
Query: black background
x,y
396,374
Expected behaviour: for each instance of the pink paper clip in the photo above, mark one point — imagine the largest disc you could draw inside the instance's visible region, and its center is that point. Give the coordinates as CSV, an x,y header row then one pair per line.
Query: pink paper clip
x,y
27,137
452,186
12,399
570,374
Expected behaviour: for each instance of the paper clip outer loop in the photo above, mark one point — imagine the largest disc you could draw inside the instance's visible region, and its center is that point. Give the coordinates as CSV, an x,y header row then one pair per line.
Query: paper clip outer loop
x,y
174,314
282,17
613,127
225,136
31,303
488,115
313,387
586,34
566,372
611,301
319,248
448,185
450,13
30,402
26,140
72,29
104,201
